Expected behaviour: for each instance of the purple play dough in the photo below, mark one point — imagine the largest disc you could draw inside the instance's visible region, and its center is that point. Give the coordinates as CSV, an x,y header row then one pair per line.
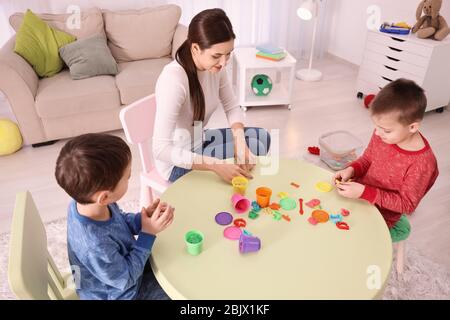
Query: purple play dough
x,y
224,218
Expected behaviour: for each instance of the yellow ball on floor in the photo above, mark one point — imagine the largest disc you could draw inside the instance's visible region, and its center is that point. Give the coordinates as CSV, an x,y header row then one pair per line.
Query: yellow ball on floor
x,y
10,137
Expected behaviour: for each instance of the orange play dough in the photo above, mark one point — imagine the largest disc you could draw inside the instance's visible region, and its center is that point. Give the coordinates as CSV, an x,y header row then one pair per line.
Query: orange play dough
x,y
320,216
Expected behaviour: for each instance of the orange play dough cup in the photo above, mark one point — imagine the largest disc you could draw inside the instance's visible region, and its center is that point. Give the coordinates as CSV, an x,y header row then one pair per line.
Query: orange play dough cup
x,y
263,195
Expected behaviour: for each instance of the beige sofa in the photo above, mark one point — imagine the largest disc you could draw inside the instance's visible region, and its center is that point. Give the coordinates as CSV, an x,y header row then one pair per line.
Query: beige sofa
x,y
141,41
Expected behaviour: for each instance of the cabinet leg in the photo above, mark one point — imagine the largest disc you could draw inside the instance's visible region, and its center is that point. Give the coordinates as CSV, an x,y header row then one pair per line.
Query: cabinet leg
x,y
440,110
244,109
289,106
43,144
359,95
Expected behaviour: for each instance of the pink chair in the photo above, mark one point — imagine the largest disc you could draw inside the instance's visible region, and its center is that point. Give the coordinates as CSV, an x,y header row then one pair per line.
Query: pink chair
x,y
138,122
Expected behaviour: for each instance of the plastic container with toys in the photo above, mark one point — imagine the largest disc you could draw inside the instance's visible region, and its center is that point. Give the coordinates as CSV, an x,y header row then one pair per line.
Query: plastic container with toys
x,y
339,148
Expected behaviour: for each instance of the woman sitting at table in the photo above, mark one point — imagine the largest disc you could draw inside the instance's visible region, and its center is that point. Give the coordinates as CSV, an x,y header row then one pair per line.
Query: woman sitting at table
x,y
188,91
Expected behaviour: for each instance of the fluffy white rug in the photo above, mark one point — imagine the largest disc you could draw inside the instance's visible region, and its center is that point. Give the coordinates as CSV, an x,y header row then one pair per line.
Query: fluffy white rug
x,y
421,279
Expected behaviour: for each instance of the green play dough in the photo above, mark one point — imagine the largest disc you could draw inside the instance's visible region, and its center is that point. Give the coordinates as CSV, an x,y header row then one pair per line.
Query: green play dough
x,y
194,238
288,204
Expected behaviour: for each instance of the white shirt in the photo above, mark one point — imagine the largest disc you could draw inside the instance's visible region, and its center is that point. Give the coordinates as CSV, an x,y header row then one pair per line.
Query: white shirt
x,y
173,135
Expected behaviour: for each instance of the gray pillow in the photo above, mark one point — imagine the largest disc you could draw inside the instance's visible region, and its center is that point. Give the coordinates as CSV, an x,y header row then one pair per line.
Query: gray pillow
x,y
88,57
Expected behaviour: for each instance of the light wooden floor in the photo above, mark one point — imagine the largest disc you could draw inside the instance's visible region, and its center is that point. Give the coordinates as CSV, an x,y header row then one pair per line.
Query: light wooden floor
x,y
317,108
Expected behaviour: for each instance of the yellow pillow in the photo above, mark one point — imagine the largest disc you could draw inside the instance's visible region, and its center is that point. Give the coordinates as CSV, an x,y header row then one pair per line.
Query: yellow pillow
x,y
38,43
10,137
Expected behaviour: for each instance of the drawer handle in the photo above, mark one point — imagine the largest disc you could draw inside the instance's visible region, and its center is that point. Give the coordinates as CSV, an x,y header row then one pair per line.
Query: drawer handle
x,y
397,39
395,49
387,79
393,59
390,68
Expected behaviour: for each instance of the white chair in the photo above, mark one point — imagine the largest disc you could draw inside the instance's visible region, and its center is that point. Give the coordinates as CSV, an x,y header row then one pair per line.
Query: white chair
x,y
138,122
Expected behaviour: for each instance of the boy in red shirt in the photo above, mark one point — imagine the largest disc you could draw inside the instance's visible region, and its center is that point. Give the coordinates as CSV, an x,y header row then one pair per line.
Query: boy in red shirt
x,y
398,167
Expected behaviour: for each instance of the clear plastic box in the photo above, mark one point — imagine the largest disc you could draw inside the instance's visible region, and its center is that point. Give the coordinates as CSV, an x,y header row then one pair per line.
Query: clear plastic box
x,y
339,148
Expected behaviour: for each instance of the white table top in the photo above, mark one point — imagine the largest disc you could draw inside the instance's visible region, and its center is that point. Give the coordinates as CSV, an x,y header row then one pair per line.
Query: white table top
x,y
247,57
297,260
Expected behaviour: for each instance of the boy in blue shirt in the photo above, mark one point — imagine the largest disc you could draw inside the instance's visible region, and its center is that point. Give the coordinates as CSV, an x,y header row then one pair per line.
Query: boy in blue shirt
x,y
110,262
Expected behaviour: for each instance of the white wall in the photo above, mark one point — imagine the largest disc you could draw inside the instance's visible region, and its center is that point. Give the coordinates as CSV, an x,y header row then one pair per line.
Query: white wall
x,y
348,27
8,7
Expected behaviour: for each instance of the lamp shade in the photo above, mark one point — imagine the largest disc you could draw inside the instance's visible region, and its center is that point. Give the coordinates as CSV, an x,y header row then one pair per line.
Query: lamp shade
x,y
307,10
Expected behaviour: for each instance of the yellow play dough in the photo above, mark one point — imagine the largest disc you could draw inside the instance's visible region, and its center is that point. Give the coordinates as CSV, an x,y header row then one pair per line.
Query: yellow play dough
x,y
10,137
324,186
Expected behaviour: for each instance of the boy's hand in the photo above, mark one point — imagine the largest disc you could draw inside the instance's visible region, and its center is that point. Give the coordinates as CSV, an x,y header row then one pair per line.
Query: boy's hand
x,y
344,175
159,219
352,190
151,208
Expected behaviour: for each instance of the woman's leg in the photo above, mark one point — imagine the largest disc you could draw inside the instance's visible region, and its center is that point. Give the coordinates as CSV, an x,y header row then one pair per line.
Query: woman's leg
x,y
177,173
219,143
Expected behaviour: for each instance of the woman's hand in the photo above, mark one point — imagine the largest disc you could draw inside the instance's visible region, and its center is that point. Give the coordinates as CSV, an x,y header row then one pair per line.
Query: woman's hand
x,y
244,158
247,162
228,171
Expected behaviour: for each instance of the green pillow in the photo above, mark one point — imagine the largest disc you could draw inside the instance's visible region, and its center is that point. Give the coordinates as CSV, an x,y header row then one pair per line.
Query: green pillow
x,y
38,43
88,58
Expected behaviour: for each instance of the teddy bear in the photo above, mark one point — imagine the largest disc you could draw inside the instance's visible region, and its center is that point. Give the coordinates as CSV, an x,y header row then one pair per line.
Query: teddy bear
x,y
431,24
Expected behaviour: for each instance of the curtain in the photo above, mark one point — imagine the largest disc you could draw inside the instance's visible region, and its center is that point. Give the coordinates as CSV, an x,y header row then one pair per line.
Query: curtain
x,y
254,21
274,21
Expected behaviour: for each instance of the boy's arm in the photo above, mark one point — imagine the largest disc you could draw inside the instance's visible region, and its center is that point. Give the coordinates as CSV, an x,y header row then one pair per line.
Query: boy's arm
x,y
119,271
362,164
133,220
419,179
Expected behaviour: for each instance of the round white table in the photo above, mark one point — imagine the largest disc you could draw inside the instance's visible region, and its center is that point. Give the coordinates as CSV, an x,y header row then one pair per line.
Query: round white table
x,y
297,260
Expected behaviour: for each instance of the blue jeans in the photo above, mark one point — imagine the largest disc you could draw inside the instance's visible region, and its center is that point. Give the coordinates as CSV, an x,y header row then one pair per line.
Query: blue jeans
x,y
219,143
150,288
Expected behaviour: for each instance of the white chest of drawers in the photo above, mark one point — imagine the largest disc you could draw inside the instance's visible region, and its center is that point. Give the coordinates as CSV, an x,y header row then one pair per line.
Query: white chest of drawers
x,y
388,57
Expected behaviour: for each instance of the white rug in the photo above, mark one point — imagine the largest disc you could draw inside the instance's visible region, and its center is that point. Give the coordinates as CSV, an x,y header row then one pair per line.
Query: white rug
x,y
421,279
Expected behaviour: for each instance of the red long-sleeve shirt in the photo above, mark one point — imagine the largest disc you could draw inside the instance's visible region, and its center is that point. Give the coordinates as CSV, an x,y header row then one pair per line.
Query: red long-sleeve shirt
x,y
395,179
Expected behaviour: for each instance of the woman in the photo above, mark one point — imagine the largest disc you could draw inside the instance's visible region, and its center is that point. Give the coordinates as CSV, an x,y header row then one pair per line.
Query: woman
x,y
188,91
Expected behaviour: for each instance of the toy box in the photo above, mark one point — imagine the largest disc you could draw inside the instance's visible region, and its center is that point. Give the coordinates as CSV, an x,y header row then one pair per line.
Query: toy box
x,y
339,148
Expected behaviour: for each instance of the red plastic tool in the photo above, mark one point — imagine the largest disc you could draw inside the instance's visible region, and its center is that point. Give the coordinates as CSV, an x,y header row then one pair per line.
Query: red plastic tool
x,y
240,223
342,226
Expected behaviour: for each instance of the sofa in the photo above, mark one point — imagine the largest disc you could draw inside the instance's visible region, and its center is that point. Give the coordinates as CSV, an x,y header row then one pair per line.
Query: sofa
x,y
141,41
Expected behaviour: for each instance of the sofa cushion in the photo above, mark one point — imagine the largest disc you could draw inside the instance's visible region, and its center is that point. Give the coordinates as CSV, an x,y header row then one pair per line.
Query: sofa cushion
x,y
88,57
91,22
60,96
38,44
141,34
137,79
